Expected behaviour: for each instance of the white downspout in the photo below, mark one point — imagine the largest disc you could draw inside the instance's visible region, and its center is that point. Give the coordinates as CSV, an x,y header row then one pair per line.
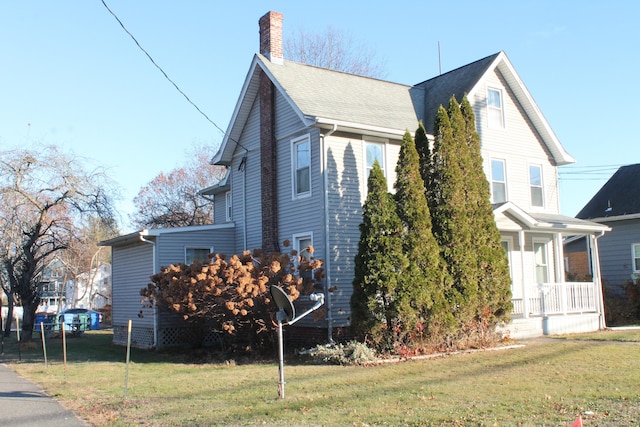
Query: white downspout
x,y
327,258
155,307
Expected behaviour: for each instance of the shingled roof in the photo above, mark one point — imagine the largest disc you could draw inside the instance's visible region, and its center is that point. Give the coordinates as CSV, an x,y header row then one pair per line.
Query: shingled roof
x,y
620,195
326,98
458,83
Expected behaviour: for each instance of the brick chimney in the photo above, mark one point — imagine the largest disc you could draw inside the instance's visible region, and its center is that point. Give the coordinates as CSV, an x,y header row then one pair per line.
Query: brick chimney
x,y
271,47
271,37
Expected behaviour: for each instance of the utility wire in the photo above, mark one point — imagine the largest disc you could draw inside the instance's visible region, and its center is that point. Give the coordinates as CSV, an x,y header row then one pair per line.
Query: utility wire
x,y
167,77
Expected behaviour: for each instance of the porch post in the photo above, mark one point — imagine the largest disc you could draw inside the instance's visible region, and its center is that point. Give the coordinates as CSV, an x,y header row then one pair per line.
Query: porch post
x,y
525,293
597,280
559,269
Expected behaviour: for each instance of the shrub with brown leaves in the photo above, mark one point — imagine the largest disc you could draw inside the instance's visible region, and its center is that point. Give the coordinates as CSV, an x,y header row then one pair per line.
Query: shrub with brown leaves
x,y
233,296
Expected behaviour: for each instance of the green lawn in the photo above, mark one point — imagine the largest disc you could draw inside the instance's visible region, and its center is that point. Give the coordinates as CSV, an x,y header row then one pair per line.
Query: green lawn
x,y
548,382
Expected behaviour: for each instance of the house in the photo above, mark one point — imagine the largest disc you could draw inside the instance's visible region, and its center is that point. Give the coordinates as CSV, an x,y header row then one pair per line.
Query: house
x,y
137,256
90,289
302,138
51,287
616,205
298,149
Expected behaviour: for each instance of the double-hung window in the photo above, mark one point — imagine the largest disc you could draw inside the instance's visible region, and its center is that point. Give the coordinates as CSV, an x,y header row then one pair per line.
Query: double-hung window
x,y
302,243
498,181
636,257
535,185
301,167
495,111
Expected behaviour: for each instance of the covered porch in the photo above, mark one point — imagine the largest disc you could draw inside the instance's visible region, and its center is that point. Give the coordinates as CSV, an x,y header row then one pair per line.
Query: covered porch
x,y
544,303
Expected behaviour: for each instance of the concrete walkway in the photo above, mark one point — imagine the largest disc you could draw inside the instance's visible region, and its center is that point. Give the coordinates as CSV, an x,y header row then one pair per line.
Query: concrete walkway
x,y
24,404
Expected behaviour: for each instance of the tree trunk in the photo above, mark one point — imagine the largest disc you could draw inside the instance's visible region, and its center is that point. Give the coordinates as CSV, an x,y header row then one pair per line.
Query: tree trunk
x,y
9,321
28,320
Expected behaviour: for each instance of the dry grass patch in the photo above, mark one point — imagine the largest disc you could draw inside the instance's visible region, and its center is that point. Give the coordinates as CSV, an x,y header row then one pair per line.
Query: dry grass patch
x,y
547,382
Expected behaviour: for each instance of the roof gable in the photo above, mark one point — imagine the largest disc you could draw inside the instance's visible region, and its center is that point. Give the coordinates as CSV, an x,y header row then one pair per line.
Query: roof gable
x,y
619,196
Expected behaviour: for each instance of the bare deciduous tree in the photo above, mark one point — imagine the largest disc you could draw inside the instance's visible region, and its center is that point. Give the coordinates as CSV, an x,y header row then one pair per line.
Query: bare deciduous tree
x,y
172,200
335,50
43,195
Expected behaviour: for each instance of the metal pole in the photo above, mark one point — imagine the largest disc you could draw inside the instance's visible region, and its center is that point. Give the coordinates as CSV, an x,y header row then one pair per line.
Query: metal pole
x,y
281,357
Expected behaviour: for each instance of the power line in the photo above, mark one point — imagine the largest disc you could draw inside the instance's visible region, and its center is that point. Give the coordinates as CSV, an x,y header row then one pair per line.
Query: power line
x,y
167,77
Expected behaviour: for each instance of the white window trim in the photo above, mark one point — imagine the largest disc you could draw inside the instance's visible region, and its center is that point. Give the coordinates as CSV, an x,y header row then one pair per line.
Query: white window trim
x,y
633,257
502,120
541,186
294,143
228,206
504,171
210,249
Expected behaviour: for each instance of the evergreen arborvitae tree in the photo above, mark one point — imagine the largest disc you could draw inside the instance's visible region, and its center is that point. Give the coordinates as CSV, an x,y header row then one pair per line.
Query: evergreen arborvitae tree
x,y
423,308
424,153
449,210
463,220
493,266
379,265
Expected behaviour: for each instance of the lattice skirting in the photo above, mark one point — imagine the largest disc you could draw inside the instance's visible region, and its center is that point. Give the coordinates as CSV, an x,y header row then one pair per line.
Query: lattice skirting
x,y
185,336
140,337
167,337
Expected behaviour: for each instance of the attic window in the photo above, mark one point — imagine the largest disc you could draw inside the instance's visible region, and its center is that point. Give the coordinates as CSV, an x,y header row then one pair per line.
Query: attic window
x,y
495,111
535,184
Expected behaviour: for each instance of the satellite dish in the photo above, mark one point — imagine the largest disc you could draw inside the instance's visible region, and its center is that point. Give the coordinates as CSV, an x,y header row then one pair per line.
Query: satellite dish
x,y
283,302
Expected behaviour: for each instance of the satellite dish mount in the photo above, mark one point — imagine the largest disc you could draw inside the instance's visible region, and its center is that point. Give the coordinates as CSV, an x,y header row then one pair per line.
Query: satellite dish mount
x,y
287,313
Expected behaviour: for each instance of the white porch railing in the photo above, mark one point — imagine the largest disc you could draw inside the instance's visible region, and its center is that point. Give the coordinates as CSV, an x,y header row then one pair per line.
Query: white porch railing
x,y
557,298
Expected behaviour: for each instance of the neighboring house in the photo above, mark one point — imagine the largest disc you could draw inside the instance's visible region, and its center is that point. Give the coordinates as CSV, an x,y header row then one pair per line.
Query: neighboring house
x,y
51,287
617,205
135,257
90,290
298,150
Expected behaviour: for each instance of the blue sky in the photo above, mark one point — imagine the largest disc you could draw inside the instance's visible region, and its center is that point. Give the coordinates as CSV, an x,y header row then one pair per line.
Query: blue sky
x,y
70,75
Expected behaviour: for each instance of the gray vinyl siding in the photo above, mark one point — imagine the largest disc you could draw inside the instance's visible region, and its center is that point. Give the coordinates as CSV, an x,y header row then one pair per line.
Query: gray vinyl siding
x,y
247,206
616,262
219,208
346,191
518,144
171,247
131,268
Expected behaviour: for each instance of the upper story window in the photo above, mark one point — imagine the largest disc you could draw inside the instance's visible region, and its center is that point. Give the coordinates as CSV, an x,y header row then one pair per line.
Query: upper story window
x,y
228,206
495,110
192,254
498,181
374,151
301,167
535,184
636,257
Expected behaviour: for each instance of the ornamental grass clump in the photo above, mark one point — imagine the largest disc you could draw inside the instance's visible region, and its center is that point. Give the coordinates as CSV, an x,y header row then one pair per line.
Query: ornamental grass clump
x,y
351,353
